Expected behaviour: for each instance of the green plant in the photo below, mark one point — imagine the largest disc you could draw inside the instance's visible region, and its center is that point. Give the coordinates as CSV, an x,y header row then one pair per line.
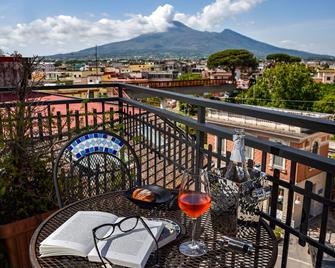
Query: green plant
x,y
24,193
26,186
278,232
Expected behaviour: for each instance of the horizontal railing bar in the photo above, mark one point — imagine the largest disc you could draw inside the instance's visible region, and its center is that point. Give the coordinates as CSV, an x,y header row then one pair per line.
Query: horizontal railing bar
x,y
46,88
58,102
303,157
316,124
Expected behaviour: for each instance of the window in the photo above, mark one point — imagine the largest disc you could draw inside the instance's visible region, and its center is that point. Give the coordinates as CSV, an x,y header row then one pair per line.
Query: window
x,y
249,152
277,161
91,95
315,147
328,78
223,146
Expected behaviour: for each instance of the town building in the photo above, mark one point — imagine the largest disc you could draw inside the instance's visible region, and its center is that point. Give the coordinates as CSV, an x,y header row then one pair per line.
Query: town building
x,y
325,76
216,74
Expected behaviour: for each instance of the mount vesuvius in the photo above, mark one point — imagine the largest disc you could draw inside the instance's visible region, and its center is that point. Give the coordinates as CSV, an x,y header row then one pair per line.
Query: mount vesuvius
x,y
182,41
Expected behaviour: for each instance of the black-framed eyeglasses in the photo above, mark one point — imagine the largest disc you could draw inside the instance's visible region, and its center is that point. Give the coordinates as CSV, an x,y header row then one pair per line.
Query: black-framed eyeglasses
x,y
104,232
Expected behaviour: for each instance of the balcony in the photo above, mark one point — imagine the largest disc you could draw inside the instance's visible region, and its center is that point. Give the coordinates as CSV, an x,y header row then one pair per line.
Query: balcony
x,y
168,143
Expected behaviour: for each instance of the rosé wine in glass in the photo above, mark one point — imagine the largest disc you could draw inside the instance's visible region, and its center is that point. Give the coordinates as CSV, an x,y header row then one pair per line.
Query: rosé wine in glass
x,y
194,200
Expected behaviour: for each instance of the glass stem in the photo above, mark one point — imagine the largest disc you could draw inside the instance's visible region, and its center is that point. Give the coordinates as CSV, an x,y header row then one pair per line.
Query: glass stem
x,y
194,222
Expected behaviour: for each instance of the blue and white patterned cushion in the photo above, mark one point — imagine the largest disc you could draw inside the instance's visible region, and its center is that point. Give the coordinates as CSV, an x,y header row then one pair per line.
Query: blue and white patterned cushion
x,y
94,142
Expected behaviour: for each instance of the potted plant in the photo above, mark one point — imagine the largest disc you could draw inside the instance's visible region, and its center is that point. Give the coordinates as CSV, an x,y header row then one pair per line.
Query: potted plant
x,y
26,187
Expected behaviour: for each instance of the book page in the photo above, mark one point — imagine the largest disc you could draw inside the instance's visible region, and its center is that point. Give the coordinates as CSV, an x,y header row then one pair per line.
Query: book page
x,y
130,249
74,237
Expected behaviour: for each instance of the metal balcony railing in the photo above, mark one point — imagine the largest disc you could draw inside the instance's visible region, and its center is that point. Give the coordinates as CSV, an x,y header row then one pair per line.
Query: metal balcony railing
x,y
167,142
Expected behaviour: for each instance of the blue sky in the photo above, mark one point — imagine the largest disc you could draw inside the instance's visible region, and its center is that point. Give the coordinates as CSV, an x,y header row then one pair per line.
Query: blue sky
x,y
47,27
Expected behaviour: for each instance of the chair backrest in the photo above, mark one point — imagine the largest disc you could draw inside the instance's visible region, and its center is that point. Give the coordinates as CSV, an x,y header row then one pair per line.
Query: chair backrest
x,y
94,163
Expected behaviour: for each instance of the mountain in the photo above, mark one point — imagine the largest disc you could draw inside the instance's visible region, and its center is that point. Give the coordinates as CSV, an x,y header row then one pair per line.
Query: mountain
x,y
182,41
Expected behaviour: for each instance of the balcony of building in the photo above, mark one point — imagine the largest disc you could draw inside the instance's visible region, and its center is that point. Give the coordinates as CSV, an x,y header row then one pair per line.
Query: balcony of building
x,y
167,143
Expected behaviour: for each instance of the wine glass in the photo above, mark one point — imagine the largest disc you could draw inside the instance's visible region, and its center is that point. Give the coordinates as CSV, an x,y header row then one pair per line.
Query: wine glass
x,y
194,200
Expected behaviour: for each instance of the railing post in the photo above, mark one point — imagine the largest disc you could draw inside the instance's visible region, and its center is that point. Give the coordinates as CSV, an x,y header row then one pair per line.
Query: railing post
x,y
120,110
306,207
289,214
324,217
274,196
200,140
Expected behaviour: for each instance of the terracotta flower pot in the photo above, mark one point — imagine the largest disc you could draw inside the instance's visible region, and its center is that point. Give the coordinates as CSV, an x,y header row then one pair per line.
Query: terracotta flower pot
x,y
17,236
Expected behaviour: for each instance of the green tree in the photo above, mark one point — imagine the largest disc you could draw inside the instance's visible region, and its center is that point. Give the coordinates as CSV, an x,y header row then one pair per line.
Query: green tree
x,y
280,57
284,85
232,59
58,63
326,104
326,89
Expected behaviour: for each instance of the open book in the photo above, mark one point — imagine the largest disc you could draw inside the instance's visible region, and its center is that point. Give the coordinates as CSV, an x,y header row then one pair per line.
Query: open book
x,y
74,237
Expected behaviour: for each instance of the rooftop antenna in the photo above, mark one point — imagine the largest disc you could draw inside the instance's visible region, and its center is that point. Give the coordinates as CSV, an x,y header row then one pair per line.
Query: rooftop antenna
x,y
96,60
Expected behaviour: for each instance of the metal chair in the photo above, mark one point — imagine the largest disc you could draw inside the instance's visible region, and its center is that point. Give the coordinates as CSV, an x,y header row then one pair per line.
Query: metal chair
x,y
93,163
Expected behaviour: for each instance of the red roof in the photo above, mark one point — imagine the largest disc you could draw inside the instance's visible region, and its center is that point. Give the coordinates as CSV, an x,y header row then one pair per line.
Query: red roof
x,y
8,59
38,96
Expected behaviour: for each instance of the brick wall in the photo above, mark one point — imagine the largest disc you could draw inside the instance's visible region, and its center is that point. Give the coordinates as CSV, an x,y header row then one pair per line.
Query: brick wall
x,y
303,172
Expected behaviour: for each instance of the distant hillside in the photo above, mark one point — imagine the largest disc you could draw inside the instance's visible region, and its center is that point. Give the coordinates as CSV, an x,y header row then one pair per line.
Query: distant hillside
x,y
182,41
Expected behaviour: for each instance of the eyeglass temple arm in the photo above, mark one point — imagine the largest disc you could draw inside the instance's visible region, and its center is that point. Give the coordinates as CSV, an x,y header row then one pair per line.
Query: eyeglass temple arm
x,y
96,247
148,229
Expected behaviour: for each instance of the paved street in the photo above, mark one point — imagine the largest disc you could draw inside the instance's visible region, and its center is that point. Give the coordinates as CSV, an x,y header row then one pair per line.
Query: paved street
x,y
298,256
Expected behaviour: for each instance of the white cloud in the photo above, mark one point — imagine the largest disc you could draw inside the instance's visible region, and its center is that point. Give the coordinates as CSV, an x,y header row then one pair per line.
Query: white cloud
x,y
69,33
104,14
212,16
291,44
